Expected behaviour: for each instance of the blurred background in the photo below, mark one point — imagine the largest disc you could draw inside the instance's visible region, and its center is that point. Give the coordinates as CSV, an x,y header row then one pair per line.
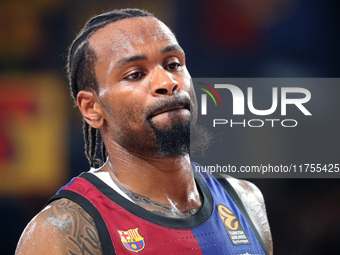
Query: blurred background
x,y
41,144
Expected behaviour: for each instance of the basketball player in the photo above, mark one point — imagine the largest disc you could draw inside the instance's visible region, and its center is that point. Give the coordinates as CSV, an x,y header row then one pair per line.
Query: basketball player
x,y
128,77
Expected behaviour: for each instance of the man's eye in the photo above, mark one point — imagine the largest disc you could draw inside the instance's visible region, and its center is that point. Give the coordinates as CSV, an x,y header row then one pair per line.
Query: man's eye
x,y
134,76
173,66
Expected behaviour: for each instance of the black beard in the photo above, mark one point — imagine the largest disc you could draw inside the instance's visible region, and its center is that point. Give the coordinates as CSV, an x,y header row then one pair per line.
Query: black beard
x,y
182,139
173,142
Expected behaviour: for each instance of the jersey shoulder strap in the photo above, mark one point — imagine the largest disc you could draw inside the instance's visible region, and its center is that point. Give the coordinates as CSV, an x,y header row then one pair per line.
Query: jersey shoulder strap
x,y
104,236
234,196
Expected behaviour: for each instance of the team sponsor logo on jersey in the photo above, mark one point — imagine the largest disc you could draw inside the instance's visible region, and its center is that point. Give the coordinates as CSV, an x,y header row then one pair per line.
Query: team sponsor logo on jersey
x,y
132,240
232,225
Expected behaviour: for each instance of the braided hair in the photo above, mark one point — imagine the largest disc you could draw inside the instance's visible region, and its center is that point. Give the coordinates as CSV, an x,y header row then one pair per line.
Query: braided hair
x,y
81,75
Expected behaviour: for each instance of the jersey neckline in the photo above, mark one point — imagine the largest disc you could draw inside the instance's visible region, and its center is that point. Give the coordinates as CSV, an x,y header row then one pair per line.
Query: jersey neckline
x,y
178,223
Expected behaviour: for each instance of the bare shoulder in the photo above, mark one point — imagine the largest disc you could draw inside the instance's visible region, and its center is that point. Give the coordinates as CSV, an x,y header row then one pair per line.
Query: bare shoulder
x,y
63,227
253,201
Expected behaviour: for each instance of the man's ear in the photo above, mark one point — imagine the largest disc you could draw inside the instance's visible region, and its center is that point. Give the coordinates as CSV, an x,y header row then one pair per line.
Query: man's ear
x,y
90,108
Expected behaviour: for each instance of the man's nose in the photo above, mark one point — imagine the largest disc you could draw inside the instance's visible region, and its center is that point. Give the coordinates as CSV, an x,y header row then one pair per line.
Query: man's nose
x,y
162,83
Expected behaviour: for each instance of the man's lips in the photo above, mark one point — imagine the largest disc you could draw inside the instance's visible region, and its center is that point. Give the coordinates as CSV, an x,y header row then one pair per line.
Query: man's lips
x,y
169,109
167,105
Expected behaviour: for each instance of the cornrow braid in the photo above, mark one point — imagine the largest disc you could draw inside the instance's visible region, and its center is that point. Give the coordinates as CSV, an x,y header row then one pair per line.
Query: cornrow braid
x,y
81,75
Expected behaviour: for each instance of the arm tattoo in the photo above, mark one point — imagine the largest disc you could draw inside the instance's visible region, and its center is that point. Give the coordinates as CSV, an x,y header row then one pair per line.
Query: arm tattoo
x,y
78,228
257,212
156,207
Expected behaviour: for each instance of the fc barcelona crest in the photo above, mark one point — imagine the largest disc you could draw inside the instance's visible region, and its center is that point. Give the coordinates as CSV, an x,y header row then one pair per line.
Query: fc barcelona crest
x,y
132,240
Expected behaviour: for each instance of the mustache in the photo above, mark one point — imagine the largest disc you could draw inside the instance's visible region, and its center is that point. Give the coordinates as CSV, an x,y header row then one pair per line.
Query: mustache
x,y
176,101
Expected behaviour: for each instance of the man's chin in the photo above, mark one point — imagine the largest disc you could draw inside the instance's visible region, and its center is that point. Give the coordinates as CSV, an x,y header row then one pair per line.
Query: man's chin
x,y
173,141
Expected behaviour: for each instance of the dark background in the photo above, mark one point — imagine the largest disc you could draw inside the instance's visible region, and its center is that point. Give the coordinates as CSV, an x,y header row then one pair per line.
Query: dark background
x,y
221,38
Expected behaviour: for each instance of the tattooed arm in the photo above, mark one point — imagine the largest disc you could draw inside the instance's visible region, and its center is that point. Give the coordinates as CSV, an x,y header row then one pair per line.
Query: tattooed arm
x,y
253,201
63,227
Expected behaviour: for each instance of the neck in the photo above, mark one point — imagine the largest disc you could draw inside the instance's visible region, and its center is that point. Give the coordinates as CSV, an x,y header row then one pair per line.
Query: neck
x,y
168,182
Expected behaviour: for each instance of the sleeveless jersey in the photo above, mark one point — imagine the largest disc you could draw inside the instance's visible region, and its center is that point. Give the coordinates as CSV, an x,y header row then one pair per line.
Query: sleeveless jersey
x,y
221,227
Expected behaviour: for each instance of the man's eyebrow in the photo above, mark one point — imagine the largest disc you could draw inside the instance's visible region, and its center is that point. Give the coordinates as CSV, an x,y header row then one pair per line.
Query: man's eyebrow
x,y
126,60
174,47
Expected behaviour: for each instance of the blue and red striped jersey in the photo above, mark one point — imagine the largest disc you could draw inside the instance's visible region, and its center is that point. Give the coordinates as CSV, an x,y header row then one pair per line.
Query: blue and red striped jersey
x,y
221,227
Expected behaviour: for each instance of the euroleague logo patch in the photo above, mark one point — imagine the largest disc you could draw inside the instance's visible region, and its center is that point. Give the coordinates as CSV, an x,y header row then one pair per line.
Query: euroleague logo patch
x,y
132,240
232,225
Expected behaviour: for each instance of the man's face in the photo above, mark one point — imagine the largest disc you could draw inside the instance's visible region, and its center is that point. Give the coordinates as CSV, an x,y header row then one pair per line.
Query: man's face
x,y
144,87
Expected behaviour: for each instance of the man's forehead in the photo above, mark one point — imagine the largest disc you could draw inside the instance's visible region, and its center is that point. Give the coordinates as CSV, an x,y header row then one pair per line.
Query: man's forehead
x,y
122,35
